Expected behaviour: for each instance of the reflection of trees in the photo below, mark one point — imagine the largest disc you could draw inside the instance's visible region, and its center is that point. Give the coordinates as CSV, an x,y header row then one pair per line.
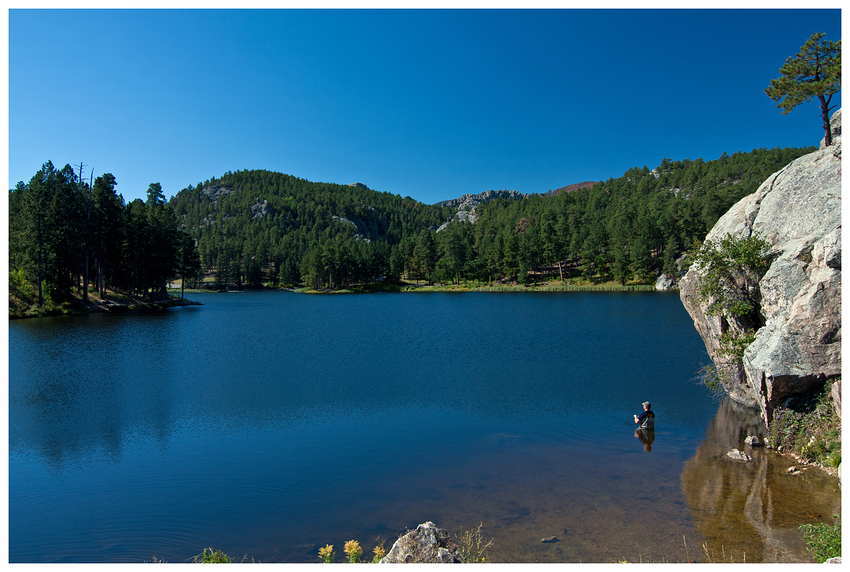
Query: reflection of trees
x,y
752,510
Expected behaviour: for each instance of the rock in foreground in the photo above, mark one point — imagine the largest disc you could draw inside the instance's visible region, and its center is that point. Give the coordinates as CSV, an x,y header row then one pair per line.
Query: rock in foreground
x,y
425,544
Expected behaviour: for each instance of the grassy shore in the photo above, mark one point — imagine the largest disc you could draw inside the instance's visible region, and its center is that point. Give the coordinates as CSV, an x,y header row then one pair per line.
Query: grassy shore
x,y
472,286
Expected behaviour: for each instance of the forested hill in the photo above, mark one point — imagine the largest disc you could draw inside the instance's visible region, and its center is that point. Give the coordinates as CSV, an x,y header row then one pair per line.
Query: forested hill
x,y
256,227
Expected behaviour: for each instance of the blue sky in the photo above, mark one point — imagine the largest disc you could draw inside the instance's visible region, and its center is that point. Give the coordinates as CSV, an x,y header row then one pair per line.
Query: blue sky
x,y
427,104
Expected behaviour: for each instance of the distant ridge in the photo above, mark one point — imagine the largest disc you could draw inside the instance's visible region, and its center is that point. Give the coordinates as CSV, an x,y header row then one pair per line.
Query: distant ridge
x,y
571,188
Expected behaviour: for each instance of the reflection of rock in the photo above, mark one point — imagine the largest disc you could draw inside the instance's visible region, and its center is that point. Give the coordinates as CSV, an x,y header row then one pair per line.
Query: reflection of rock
x,y
426,543
751,511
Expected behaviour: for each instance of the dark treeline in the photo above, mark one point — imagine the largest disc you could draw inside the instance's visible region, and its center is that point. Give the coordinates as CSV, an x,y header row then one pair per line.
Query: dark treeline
x,y
260,227
66,235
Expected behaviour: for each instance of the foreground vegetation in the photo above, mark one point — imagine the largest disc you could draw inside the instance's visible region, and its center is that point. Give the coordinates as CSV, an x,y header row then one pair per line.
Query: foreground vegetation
x,y
471,543
823,541
808,428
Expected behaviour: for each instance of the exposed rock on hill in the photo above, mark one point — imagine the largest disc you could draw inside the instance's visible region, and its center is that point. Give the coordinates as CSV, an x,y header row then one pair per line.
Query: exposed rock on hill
x,y
469,201
798,211
467,204
216,192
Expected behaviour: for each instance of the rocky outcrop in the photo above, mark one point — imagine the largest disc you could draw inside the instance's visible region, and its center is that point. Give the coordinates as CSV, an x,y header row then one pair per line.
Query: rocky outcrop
x,y
425,544
664,283
798,211
261,210
469,201
216,192
467,204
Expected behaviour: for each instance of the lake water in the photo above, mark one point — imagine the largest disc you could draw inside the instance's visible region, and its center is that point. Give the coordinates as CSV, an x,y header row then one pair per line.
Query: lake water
x,y
269,424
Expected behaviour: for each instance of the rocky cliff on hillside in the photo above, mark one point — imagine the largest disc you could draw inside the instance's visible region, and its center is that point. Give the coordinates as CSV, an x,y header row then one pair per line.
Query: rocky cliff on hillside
x,y
469,201
467,204
798,211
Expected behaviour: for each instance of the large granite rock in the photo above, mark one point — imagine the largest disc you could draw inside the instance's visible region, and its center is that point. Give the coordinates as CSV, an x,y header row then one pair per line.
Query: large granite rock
x,y
425,544
798,211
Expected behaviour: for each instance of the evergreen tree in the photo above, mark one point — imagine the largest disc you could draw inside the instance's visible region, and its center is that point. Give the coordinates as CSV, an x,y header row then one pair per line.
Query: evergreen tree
x,y
814,72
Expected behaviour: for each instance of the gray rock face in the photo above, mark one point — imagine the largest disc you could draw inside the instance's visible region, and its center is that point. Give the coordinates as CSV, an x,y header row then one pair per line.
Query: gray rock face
x,y
425,544
467,204
469,201
798,211
664,283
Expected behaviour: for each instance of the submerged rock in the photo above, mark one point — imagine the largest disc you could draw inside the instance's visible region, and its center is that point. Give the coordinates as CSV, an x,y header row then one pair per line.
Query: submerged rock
x,y
752,441
425,544
738,455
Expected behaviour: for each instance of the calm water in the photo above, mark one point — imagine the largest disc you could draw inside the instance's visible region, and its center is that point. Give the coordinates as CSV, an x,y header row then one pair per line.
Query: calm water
x,y
270,424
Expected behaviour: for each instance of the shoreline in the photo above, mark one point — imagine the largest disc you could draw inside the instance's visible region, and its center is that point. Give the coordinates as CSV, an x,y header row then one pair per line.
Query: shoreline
x,y
409,287
108,305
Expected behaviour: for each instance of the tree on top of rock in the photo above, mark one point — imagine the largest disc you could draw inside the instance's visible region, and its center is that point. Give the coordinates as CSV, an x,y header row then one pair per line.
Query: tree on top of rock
x,y
814,72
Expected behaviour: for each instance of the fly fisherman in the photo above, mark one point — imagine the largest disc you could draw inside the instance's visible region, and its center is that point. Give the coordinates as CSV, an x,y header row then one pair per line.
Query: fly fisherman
x,y
647,418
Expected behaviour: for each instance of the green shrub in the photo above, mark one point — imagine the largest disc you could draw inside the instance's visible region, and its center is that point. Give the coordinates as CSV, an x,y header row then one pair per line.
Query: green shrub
x,y
709,377
735,346
822,540
210,556
730,271
809,427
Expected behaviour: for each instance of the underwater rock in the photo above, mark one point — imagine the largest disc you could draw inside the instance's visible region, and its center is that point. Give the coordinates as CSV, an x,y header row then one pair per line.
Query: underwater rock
x,y
738,455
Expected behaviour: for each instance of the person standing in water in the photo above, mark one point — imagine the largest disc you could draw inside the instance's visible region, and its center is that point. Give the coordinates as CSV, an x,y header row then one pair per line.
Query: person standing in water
x,y
647,418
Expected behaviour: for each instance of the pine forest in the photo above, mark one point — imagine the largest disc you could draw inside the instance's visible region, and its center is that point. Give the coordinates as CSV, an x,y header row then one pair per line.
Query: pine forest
x,y
257,228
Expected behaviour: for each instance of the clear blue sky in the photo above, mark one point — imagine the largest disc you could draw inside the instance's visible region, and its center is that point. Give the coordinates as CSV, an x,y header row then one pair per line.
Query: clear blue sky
x,y
430,104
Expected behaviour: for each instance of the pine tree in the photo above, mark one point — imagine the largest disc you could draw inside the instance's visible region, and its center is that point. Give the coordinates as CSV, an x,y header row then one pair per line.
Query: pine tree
x,y
814,72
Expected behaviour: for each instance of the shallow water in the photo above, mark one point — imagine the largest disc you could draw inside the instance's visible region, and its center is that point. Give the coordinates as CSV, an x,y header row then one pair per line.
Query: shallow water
x,y
269,424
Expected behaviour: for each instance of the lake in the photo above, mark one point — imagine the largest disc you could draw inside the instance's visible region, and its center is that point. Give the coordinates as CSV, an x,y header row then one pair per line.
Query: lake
x,y
268,424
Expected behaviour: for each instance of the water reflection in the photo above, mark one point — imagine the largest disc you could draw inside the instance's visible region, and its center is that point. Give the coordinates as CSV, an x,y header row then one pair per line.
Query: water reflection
x,y
646,437
751,511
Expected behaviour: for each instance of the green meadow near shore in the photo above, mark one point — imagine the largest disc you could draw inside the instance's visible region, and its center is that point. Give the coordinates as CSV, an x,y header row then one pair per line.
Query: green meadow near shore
x,y
422,287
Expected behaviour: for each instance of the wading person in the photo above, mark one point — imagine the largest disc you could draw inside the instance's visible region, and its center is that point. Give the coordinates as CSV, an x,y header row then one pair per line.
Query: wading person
x,y
646,430
647,418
